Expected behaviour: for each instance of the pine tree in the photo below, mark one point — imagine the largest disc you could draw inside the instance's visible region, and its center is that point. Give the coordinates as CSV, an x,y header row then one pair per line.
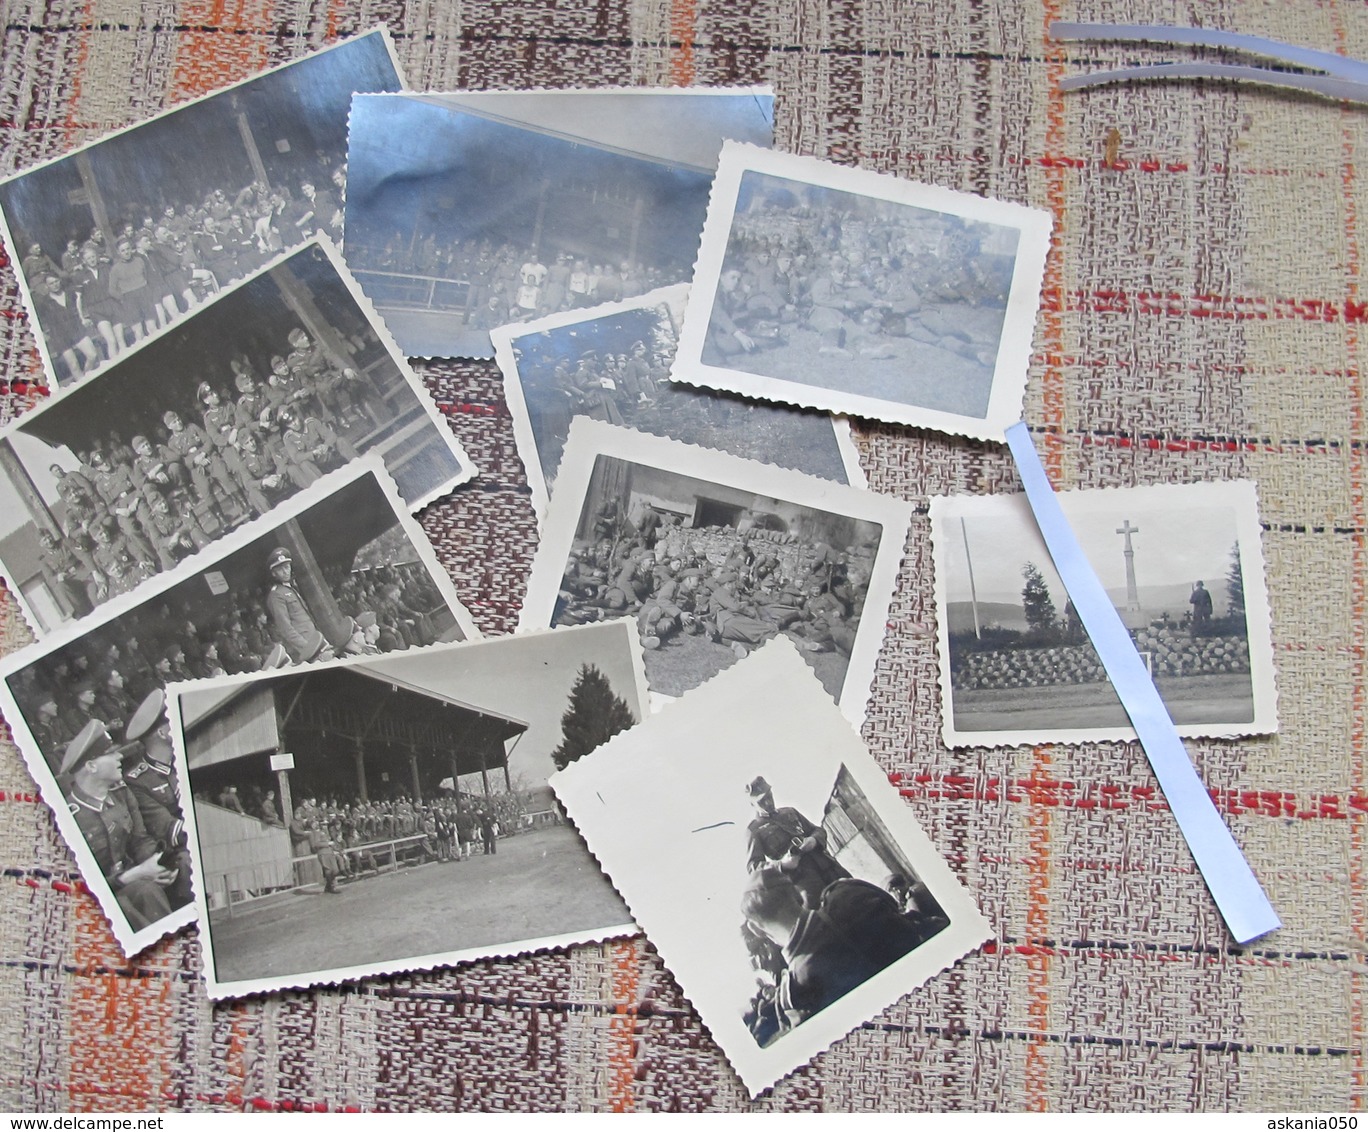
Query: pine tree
x,y
596,713
1037,603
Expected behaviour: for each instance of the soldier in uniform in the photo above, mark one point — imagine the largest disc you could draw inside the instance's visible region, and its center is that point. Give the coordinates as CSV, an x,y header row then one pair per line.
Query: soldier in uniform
x,y
786,838
117,566
83,503
175,534
108,817
66,570
47,729
152,781
283,388
289,614
191,446
125,503
153,475
221,429
311,445
261,477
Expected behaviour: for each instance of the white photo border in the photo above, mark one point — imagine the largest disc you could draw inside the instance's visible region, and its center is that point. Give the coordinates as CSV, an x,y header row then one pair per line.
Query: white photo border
x,y
131,940
1014,350
474,97
590,439
11,245
1239,496
504,338
221,989
684,751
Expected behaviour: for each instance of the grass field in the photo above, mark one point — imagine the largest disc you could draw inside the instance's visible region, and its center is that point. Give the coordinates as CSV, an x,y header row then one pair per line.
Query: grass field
x,y
539,883
1189,699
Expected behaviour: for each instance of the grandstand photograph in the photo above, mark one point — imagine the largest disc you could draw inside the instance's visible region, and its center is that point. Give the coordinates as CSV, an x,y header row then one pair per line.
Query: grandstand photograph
x,y
202,195
469,211
206,427
394,813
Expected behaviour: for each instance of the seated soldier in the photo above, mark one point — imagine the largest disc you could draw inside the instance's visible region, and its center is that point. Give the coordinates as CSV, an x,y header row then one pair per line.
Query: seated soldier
x,y
855,931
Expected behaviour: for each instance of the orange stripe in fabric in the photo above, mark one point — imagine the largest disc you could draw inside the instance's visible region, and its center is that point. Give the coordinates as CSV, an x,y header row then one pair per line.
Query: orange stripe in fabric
x,y
120,1028
1052,291
1038,818
207,60
626,977
683,17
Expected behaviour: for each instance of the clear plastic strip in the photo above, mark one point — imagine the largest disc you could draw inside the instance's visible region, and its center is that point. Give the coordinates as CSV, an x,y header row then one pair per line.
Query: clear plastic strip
x,y
1234,887
1330,63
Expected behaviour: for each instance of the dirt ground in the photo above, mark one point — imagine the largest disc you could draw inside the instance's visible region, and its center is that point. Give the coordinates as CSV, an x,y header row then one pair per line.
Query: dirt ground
x,y
1189,699
685,662
539,883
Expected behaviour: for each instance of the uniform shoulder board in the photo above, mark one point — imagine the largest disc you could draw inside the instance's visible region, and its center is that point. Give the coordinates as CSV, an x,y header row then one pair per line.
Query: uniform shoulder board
x,y
141,768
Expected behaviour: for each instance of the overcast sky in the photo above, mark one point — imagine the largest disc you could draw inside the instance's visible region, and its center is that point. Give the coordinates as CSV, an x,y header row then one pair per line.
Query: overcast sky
x,y
1171,546
527,677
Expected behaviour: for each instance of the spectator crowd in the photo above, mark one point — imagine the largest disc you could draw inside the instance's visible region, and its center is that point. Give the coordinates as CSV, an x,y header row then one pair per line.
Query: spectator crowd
x,y
104,292
511,282
105,673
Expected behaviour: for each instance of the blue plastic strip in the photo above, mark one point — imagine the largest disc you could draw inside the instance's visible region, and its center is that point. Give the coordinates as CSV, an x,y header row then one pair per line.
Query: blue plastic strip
x,y
1346,68
1233,885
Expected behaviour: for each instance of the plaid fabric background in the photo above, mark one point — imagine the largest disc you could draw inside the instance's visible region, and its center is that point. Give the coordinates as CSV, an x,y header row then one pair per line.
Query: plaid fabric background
x,y
1203,318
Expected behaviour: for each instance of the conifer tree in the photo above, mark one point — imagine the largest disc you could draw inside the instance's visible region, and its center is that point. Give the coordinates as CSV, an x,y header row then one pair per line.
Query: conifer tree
x,y
1037,603
596,713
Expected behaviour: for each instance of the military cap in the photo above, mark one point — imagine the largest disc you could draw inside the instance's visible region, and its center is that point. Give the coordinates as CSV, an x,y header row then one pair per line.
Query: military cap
x,y
277,362
277,556
204,388
367,619
146,715
297,337
91,742
276,658
758,787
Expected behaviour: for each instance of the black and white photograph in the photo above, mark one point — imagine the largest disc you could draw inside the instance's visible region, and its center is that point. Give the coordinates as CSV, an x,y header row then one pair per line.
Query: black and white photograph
x,y
784,883
1183,566
341,570
211,424
469,211
128,234
611,363
393,814
865,294
713,556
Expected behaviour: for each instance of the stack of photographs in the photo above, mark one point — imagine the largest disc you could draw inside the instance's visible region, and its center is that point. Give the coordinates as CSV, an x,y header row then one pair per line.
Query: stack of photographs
x,y
257,701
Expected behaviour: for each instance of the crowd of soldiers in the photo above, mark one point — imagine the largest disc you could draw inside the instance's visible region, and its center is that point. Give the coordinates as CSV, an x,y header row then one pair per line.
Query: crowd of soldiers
x,y
767,582
105,293
138,504
511,282
105,673
607,386
850,285
349,837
